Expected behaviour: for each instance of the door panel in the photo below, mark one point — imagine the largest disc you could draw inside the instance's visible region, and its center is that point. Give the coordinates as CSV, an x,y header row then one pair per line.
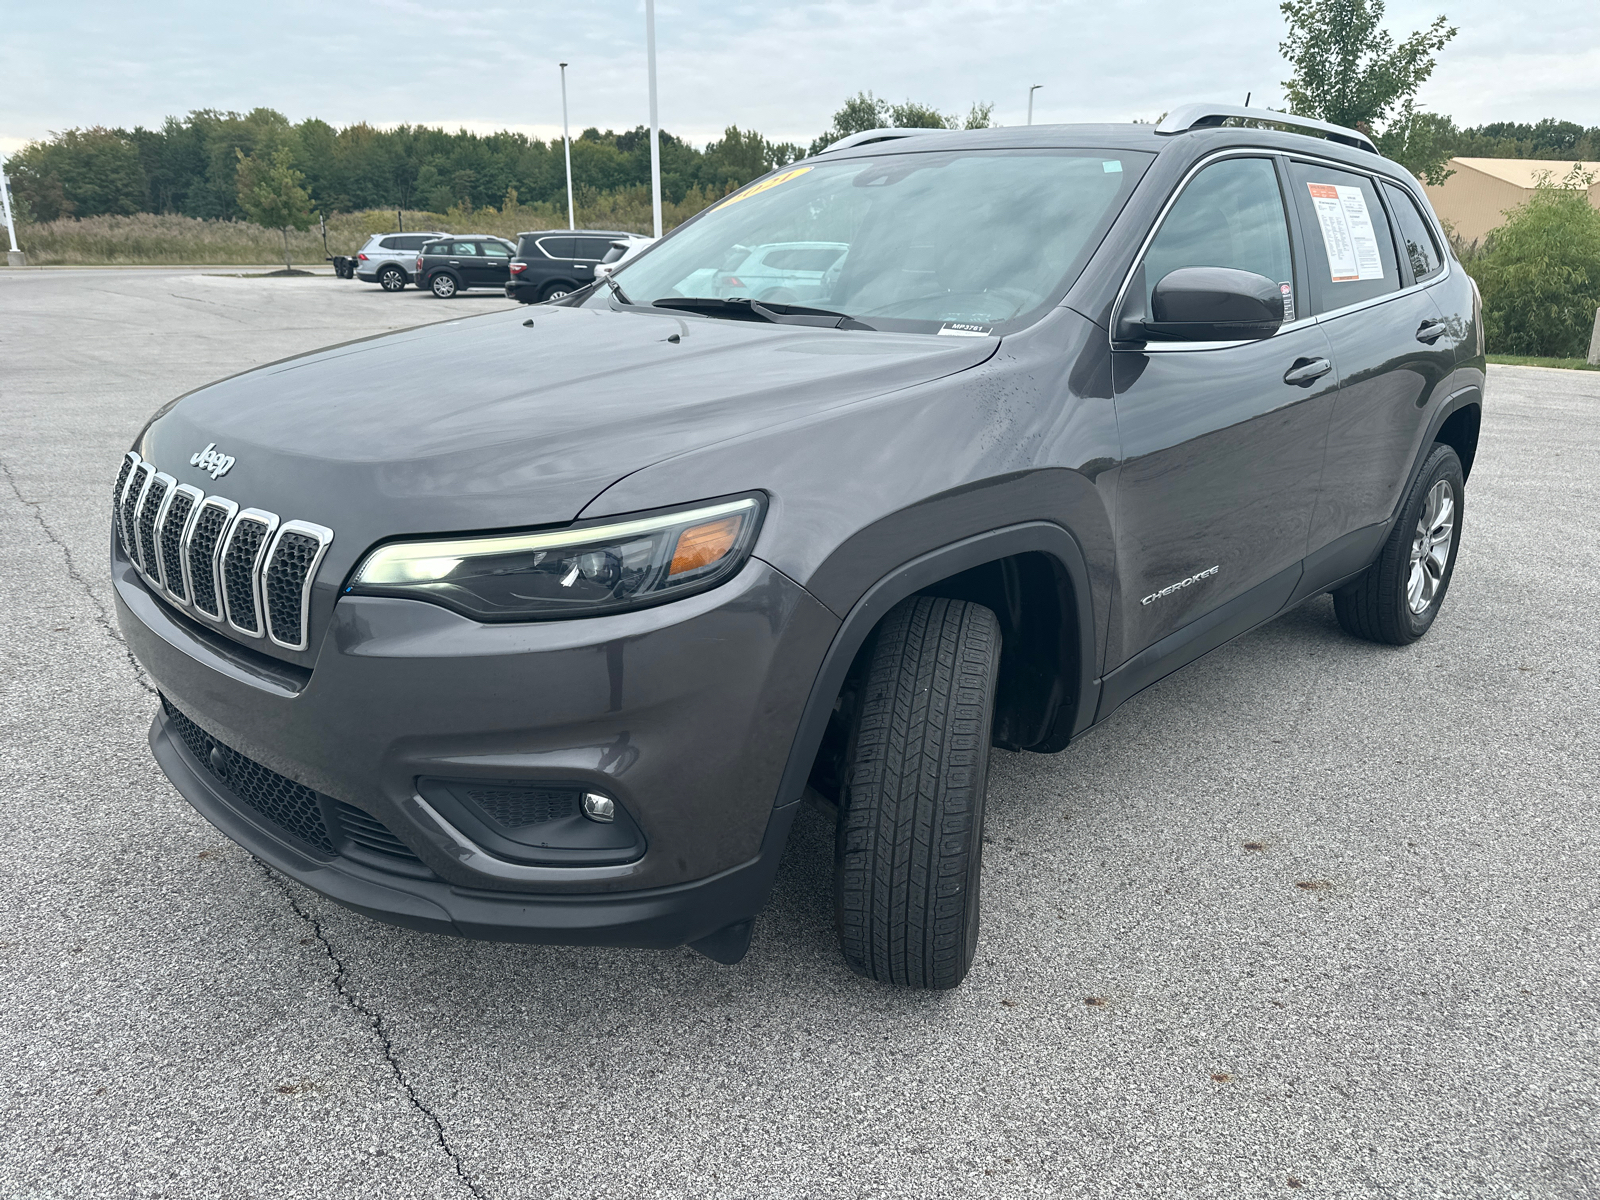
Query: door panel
x,y
1222,465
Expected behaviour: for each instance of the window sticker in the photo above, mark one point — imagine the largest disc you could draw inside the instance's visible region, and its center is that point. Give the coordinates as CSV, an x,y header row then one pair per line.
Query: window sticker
x,y
1347,232
764,185
1112,166
965,329
1288,301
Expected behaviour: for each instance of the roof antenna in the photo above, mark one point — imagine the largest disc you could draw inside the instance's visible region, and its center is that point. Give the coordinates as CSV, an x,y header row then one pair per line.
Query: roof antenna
x,y
1247,96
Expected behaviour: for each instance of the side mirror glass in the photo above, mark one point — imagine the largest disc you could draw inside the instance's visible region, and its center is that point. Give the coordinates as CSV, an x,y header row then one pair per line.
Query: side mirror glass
x,y
1211,304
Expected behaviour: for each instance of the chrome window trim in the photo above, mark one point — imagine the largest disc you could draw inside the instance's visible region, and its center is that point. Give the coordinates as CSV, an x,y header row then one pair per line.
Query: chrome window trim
x,y
324,537
198,497
151,572
145,472
230,510
122,497
270,520
1298,323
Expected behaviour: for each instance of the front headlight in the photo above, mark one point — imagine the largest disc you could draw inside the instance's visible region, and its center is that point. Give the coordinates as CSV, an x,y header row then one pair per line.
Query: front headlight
x,y
570,572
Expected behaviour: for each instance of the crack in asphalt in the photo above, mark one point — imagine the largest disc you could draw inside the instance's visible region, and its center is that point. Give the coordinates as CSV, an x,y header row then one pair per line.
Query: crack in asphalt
x,y
373,1019
102,617
376,1022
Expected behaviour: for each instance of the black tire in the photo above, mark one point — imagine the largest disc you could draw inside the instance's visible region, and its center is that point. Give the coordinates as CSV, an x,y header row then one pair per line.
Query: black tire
x,y
1377,606
909,848
443,285
392,279
554,291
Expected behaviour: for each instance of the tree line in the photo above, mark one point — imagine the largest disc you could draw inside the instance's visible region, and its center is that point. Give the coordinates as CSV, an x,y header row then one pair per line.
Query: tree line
x,y
191,165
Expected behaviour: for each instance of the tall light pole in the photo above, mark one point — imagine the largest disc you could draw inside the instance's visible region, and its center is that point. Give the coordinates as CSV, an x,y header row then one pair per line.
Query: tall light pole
x,y
655,120
566,138
1031,91
14,258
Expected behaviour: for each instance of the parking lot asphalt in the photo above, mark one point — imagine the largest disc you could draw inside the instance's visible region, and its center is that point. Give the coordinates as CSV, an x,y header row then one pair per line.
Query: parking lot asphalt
x,y
1312,916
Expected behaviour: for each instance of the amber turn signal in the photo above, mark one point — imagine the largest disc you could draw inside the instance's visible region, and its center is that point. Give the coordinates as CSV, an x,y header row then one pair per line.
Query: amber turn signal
x,y
701,545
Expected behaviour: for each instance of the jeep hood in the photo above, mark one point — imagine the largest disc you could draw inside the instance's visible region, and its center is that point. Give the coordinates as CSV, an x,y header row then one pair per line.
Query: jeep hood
x,y
515,418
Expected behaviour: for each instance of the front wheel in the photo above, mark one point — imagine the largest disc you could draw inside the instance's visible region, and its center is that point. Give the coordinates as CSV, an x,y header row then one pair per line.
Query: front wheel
x,y
443,285
392,279
554,292
908,850
1396,601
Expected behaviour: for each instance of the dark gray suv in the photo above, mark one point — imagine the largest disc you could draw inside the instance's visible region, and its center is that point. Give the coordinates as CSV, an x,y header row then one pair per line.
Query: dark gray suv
x,y
540,627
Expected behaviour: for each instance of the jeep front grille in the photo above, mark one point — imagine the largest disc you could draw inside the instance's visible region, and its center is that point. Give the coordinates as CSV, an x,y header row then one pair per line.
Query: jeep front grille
x,y
240,568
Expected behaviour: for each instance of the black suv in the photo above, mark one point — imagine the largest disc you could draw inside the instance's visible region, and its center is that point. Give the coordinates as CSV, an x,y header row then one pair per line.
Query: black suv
x,y
550,263
469,260
541,629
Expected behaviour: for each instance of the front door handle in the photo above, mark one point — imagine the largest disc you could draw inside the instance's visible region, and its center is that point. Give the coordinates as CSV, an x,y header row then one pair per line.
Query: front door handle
x,y
1431,331
1307,370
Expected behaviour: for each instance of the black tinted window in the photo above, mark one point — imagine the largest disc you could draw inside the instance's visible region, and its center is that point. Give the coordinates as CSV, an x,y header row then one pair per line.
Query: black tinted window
x,y
1349,252
1230,215
394,243
1415,235
557,247
594,248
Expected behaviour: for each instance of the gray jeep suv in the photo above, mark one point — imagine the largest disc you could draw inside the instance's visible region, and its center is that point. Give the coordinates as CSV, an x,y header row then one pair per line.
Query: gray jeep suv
x,y
541,627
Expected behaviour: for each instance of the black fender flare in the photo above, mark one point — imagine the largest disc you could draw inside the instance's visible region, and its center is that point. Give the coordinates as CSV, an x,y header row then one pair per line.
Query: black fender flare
x,y
1043,537
1470,396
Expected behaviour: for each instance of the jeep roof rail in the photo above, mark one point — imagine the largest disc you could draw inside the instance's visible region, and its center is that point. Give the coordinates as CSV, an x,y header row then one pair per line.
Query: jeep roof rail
x,y
872,135
1209,116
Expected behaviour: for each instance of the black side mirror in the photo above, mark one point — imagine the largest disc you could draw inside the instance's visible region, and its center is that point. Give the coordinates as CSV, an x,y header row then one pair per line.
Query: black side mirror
x,y
1212,304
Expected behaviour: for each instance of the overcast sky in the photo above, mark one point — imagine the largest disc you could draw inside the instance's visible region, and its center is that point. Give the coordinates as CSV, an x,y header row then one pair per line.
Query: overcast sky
x,y
780,68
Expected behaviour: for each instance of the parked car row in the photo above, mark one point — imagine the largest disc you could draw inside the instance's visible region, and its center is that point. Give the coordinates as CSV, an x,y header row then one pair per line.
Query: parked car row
x,y
541,265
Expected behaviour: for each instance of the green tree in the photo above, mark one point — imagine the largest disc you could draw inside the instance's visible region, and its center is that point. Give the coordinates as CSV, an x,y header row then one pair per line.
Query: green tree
x,y
80,173
864,111
1540,273
1351,72
271,196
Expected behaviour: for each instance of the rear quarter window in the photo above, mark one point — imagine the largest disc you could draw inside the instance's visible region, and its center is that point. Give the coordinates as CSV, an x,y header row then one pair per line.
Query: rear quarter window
x,y
558,247
1416,236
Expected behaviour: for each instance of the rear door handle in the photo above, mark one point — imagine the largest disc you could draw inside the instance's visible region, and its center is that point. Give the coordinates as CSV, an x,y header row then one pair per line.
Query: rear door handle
x,y
1307,370
1431,331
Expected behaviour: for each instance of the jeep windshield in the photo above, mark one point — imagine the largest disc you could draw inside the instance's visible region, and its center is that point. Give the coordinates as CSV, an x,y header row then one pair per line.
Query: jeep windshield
x,y
974,241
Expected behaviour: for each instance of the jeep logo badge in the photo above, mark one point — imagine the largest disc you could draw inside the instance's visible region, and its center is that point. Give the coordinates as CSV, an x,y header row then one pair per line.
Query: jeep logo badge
x,y
209,460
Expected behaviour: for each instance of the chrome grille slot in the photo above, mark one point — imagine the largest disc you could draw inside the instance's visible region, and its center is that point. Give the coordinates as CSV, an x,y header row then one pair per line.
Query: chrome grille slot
x,y
171,523
144,524
240,568
202,541
137,482
242,552
286,581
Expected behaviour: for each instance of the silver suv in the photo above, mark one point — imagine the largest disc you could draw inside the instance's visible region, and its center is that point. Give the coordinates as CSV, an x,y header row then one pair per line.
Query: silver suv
x,y
387,257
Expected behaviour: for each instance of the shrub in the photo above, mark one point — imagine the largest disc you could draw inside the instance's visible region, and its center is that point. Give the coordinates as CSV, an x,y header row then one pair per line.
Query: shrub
x,y
1540,273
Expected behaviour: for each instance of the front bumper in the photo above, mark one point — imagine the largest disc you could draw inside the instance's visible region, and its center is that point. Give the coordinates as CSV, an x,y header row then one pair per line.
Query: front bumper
x,y
685,713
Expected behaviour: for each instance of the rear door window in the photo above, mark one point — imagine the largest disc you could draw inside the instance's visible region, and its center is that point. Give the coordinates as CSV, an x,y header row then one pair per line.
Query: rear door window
x,y
1230,215
558,247
463,249
1350,254
1416,236
495,250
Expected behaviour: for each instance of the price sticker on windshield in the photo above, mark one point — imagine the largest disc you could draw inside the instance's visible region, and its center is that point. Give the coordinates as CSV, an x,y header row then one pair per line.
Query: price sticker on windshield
x,y
765,185
1347,233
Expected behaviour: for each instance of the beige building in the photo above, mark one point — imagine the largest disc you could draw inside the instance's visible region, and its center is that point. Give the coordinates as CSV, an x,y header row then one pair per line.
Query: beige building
x,y
1474,200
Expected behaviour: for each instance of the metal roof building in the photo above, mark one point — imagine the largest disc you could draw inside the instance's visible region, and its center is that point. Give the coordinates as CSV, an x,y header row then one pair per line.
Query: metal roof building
x,y
1474,200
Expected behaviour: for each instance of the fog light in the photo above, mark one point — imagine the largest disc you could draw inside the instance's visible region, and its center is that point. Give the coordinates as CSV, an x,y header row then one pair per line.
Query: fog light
x,y
599,808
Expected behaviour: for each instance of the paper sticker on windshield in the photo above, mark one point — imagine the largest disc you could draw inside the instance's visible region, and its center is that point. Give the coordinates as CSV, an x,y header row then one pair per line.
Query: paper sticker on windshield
x,y
764,185
963,329
1287,290
1347,232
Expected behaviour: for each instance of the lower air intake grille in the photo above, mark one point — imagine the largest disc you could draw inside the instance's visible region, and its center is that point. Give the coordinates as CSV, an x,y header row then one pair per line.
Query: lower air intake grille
x,y
517,807
366,831
291,806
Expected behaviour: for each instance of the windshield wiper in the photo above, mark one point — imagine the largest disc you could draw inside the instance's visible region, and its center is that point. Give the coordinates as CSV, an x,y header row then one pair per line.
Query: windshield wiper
x,y
742,308
616,288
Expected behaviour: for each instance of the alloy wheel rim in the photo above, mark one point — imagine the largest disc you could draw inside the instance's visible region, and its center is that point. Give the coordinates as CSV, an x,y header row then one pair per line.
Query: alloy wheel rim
x,y
445,286
391,279
1430,548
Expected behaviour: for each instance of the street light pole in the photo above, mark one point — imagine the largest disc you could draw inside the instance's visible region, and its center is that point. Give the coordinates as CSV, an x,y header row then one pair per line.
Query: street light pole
x,y
1031,91
14,258
655,120
566,137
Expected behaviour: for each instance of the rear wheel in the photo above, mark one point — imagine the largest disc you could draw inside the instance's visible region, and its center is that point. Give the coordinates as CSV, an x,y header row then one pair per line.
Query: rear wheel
x,y
909,845
554,291
443,285
1396,601
392,279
